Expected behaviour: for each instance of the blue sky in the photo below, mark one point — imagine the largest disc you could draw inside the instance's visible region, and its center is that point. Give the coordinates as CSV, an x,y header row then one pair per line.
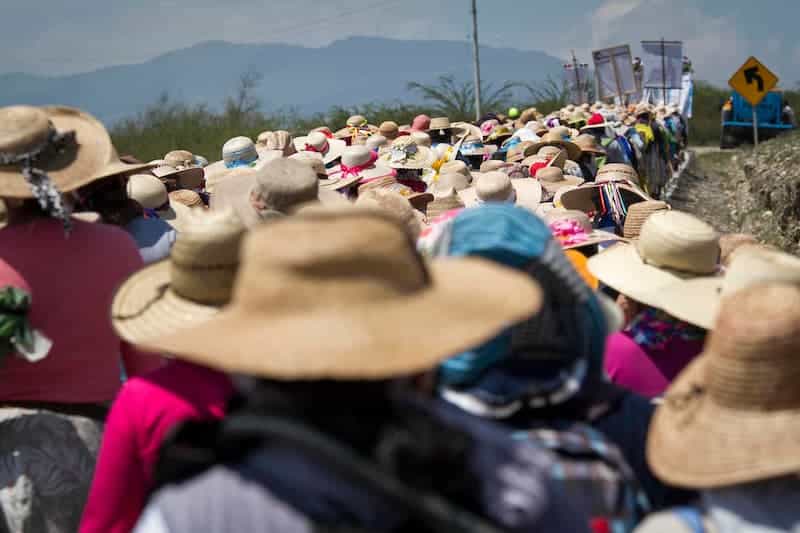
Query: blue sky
x,y
62,37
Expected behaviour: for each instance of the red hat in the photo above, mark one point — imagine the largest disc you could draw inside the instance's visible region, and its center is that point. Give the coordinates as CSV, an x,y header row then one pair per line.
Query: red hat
x,y
595,120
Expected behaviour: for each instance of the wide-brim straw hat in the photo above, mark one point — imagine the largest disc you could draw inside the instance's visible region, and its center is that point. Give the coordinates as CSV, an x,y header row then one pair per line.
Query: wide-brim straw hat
x,y
588,145
582,234
553,179
697,301
586,197
638,213
355,276
527,192
672,248
407,154
443,204
419,200
329,149
554,139
732,416
186,289
86,159
187,178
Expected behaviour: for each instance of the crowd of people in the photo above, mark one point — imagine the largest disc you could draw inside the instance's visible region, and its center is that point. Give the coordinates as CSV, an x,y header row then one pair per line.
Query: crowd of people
x,y
440,326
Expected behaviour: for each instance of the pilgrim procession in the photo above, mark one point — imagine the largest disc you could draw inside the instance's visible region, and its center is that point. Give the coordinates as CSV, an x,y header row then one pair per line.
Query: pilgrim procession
x,y
502,324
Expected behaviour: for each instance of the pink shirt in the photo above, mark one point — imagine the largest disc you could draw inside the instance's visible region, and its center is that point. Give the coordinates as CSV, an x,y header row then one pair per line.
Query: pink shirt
x,y
145,410
72,280
647,373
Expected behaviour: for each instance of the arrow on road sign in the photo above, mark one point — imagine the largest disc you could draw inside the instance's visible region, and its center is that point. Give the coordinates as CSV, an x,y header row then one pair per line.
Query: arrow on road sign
x,y
752,75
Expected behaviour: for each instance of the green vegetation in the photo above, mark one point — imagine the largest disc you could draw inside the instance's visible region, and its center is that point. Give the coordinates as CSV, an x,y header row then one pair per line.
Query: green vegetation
x,y
168,125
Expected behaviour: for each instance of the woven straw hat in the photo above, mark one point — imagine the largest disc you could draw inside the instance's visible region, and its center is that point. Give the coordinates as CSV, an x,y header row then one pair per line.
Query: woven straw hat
x,y
673,247
389,129
553,179
733,415
574,229
356,276
697,301
180,159
316,141
357,121
185,289
419,200
150,193
180,178
554,138
638,213
335,183
440,124
444,202
395,205
498,187
516,154
359,161
377,142
557,155
456,166
618,172
277,141
238,152
587,197
588,144
406,153
447,181
69,162
186,197
421,138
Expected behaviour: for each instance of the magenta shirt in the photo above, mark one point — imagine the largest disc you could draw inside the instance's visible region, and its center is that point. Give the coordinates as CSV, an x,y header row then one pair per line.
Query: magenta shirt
x,y
647,373
145,410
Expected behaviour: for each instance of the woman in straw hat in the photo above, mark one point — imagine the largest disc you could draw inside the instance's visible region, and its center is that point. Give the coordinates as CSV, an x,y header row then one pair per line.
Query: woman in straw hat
x,y
178,293
70,268
333,434
728,424
545,373
672,249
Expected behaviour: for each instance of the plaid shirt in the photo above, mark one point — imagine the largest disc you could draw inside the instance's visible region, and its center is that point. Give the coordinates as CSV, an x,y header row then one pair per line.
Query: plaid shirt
x,y
595,475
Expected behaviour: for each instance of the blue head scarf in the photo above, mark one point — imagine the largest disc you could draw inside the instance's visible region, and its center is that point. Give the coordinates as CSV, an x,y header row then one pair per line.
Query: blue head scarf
x,y
517,238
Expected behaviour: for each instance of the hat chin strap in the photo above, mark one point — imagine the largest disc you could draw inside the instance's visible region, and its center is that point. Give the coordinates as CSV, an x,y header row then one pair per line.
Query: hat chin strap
x,y
42,187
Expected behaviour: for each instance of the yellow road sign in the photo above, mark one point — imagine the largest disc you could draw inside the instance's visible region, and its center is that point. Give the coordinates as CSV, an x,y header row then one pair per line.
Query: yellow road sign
x,y
753,81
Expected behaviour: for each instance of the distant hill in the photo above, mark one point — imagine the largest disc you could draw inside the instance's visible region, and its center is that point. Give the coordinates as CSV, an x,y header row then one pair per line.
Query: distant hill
x,y
352,71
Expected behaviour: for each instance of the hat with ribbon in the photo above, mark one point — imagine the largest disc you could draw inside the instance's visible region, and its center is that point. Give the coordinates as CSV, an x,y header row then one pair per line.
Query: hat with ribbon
x,y
361,162
349,273
47,151
573,229
150,193
406,153
732,417
186,289
673,248
595,121
329,149
237,152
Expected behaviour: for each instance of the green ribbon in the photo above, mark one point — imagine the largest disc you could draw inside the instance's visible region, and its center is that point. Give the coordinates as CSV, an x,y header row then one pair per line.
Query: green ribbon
x,y
15,330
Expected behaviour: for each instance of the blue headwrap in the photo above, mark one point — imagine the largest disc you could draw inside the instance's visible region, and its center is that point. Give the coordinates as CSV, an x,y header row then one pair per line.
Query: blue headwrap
x,y
517,238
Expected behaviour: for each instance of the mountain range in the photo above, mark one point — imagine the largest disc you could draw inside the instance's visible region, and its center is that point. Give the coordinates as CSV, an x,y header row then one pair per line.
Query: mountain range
x,y
352,71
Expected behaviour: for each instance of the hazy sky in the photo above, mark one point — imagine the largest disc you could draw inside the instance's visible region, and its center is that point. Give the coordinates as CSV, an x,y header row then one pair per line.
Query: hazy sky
x,y
63,37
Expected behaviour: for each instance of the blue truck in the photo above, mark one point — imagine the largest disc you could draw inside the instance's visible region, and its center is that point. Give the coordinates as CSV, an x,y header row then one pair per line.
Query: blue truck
x,y
774,117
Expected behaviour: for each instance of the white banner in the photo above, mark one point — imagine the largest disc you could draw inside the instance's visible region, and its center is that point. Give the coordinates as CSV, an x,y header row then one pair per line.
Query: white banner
x,y
576,80
663,64
614,72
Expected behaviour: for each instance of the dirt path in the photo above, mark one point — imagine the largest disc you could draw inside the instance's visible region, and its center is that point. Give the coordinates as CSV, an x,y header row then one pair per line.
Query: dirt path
x,y
702,191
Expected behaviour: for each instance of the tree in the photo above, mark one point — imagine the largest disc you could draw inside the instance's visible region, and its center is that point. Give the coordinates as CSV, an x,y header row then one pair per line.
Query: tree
x,y
457,99
244,102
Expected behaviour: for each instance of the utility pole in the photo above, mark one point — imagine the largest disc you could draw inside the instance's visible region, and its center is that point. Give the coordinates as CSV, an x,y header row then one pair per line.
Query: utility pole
x,y
477,61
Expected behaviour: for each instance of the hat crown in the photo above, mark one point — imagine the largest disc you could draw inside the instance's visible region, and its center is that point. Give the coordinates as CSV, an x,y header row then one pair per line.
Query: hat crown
x,y
388,127
440,123
356,121
679,241
617,172
205,258
179,158
494,187
421,138
456,166
452,180
285,183
752,351
317,139
550,175
569,215
356,156
638,213
239,149
148,191
376,141
364,257
759,266
22,129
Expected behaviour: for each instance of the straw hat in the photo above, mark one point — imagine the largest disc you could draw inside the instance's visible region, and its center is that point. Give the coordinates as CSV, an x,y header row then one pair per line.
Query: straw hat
x,y
419,200
574,229
697,301
180,178
498,187
456,166
596,121
276,141
237,152
396,205
587,197
377,142
421,138
643,109
466,129
282,185
553,138
618,172
637,215
186,289
180,159
361,162
449,180
317,142
366,287
190,199
444,202
731,417
406,153
389,129
314,160
149,192
588,144
672,248
553,179
440,124
357,121
74,149
492,165
516,154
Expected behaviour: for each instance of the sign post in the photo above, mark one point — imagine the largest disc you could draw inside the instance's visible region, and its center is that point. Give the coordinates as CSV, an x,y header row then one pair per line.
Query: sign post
x,y
753,81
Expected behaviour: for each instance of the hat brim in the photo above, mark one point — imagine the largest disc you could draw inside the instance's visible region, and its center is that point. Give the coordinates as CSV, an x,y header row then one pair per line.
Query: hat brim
x,y
188,178
586,198
527,190
621,268
553,187
573,150
696,443
91,158
335,148
594,238
696,301
422,159
335,183
368,341
145,307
